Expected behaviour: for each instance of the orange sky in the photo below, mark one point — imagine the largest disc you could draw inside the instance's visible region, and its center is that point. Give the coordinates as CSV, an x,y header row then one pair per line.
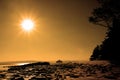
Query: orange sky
x,y
62,30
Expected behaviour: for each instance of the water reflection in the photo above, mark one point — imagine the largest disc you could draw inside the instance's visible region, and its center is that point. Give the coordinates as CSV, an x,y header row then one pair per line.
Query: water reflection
x,y
22,63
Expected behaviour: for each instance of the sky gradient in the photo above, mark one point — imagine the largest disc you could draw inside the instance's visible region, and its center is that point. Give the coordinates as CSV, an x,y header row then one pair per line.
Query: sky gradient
x,y
62,30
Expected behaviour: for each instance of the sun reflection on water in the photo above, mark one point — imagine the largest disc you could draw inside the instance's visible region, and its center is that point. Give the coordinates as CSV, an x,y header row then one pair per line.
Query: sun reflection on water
x,y
22,63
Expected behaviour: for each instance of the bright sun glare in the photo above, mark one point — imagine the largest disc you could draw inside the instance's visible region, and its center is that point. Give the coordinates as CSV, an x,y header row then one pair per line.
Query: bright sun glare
x,y
27,24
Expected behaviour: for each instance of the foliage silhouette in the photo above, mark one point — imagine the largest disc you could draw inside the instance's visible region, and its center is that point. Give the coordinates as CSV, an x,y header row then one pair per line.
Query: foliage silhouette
x,y
96,53
108,15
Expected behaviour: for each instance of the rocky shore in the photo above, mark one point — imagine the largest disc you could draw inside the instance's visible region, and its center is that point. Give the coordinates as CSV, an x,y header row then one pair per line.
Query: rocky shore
x,y
62,71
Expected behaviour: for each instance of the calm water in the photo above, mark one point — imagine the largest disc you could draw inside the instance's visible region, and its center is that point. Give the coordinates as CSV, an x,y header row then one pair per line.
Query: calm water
x,y
4,66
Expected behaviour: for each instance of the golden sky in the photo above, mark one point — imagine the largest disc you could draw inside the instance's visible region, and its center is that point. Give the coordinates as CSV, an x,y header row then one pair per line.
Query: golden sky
x,y
62,30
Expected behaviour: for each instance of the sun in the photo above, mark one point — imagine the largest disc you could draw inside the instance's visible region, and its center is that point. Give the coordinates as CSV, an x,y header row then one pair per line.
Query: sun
x,y
27,24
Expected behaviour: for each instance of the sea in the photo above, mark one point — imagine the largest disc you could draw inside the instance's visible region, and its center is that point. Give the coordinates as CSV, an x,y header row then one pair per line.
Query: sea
x,y
6,65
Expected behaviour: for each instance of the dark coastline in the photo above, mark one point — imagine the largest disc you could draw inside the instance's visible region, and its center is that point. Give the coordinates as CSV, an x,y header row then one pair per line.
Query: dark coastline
x,y
94,70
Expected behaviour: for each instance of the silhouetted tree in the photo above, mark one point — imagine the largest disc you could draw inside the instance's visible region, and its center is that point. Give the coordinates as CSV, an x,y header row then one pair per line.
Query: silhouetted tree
x,y
108,15
96,53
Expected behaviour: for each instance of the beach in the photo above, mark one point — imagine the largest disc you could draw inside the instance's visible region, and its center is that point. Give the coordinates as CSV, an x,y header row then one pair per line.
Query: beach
x,y
91,70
